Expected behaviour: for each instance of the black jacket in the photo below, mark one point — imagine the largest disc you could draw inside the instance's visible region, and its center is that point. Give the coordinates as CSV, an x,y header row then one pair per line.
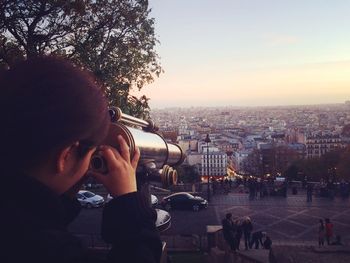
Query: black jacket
x,y
33,226
228,229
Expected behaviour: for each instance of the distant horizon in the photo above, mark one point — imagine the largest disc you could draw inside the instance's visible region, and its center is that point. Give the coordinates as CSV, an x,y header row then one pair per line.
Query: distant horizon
x,y
253,106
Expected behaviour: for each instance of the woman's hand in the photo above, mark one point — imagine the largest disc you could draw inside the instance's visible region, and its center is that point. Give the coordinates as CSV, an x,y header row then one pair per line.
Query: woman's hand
x,y
121,176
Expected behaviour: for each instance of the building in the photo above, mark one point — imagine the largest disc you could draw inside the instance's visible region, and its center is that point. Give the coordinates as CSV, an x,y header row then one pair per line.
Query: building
x,y
318,144
217,164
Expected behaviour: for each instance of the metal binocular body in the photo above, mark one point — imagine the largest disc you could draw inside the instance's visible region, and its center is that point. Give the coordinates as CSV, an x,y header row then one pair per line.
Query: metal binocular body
x,y
157,155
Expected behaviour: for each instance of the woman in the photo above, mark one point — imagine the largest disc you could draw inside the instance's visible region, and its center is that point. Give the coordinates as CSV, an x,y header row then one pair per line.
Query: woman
x,y
53,118
329,231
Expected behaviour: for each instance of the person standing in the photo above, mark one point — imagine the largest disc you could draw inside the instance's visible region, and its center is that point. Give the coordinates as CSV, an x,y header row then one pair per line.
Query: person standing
x,y
329,230
321,233
252,188
228,231
247,228
239,232
309,190
267,243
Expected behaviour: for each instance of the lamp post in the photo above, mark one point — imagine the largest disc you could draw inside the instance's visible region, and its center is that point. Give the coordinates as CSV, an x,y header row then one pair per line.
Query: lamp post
x,y
207,140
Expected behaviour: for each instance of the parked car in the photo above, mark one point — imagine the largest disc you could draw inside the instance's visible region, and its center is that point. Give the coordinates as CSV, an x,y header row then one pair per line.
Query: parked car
x,y
163,221
183,200
89,199
154,199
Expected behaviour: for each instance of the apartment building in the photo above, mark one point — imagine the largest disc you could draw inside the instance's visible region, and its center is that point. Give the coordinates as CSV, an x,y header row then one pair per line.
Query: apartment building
x,y
217,164
318,144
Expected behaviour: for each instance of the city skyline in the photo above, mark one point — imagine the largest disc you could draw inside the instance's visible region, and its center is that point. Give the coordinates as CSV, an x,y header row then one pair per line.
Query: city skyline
x,y
250,53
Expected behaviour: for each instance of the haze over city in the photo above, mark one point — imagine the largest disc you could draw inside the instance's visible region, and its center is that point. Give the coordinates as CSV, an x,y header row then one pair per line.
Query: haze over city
x,y
251,53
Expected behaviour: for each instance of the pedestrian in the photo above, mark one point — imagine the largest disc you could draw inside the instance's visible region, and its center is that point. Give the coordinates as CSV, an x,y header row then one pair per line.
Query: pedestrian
x,y
267,243
331,190
214,186
309,190
329,230
252,188
53,117
228,229
321,233
247,228
239,232
257,238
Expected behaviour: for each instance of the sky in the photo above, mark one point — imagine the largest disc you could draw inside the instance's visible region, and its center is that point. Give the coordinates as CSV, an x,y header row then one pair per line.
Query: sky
x,y
251,52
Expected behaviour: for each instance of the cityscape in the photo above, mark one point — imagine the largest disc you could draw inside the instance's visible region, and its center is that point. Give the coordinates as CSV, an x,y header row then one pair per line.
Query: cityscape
x,y
235,133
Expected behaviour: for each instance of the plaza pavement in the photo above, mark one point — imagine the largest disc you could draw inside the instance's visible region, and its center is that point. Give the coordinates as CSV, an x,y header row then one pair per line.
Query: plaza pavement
x,y
286,220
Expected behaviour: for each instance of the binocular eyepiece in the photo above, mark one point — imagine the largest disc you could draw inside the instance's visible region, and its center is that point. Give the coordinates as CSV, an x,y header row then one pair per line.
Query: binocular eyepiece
x,y
157,155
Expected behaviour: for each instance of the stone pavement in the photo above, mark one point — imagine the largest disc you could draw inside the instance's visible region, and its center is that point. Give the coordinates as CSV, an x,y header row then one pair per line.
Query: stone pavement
x,y
287,219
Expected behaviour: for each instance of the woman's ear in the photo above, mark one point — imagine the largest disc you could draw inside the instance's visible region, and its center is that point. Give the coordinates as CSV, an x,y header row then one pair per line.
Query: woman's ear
x,y
64,157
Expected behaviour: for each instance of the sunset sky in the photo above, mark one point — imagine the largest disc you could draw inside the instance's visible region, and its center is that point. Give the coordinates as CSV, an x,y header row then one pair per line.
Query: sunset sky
x,y
251,52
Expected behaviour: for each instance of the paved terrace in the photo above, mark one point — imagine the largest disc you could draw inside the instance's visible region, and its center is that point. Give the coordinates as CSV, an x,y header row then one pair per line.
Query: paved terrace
x,y
287,220
290,219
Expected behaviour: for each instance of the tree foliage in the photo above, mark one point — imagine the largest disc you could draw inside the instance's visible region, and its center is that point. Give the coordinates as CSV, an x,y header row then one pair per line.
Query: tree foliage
x,y
114,39
188,173
346,130
252,165
332,165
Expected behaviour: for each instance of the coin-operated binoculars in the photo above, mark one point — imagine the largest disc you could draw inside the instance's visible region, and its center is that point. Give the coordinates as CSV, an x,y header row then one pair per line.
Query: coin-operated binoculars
x,y
157,155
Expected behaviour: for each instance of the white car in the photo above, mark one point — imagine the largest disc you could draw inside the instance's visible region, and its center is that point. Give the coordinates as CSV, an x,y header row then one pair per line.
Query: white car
x,y
154,199
89,199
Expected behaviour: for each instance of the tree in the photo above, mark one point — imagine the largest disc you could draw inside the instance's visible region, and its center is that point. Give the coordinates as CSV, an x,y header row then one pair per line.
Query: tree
x,y
332,165
252,165
188,173
314,169
292,172
284,157
346,130
343,166
114,39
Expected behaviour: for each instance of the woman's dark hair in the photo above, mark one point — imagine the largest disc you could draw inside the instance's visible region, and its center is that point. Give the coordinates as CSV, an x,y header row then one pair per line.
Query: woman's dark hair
x,y
46,104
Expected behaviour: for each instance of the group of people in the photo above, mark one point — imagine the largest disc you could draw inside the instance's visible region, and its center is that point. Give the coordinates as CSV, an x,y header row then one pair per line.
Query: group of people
x,y
258,188
325,232
222,185
233,230
328,189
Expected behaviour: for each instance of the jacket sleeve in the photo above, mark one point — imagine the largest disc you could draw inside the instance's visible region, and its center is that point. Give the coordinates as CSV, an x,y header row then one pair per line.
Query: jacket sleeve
x,y
71,207
128,223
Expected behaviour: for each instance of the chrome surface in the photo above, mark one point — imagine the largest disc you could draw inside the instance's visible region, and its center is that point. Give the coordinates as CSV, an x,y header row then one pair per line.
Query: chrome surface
x,y
118,116
175,154
152,146
156,154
